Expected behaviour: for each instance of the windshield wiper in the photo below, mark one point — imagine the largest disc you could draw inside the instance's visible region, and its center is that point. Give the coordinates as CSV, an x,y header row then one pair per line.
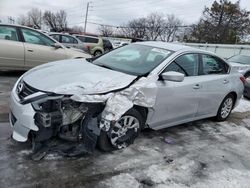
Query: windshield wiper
x,y
104,66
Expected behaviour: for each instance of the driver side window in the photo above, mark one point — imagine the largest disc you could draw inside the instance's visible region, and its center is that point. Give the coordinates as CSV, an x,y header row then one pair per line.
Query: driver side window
x,y
186,64
34,37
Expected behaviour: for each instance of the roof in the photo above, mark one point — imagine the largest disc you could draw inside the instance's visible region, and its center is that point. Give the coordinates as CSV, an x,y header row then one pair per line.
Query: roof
x,y
171,46
17,25
164,45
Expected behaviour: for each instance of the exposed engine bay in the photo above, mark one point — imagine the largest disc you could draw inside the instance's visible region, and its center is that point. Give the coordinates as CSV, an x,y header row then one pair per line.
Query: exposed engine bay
x,y
60,117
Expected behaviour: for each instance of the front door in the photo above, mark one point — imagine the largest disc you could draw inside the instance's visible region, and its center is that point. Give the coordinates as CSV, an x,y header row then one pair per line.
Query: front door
x,y
39,49
177,102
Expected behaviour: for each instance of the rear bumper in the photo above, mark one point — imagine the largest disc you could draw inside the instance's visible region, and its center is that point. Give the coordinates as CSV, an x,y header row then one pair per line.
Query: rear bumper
x,y
21,118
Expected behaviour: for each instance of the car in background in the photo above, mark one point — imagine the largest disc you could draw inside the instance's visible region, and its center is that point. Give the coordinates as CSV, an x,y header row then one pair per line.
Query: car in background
x,y
93,45
107,45
242,64
107,100
68,40
117,44
22,48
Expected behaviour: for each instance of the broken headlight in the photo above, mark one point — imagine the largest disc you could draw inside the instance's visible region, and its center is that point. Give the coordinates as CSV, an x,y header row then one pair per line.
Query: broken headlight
x,y
58,111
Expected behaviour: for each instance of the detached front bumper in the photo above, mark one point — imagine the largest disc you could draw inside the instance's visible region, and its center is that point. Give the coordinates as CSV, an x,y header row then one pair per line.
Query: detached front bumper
x,y
21,118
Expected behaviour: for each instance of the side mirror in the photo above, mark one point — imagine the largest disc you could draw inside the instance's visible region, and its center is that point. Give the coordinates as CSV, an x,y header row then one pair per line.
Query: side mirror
x,y
173,76
56,45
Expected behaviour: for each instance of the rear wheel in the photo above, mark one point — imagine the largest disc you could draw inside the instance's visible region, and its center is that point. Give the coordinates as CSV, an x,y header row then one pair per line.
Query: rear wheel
x,y
225,108
123,133
97,53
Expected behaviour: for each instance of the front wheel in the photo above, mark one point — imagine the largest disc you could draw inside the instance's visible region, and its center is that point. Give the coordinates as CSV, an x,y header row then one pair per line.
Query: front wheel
x,y
225,108
122,133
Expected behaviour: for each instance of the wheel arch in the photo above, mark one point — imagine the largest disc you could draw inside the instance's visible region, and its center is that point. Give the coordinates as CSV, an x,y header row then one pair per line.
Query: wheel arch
x,y
98,50
234,95
143,111
247,74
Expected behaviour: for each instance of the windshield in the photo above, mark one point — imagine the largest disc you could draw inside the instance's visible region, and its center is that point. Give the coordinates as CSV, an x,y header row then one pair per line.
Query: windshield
x,y
133,59
243,59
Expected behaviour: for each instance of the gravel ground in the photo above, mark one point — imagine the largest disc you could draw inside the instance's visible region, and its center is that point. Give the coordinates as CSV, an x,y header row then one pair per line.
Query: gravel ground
x,y
199,154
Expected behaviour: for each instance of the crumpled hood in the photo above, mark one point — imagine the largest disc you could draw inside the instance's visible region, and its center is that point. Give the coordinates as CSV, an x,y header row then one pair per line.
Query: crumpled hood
x,y
76,77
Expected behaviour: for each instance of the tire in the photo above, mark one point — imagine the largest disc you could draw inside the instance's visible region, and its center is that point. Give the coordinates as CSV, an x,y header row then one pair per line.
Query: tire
x,y
225,108
107,140
247,77
97,53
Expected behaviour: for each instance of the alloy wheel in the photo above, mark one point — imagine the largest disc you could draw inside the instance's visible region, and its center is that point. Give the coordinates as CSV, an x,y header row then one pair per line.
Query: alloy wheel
x,y
227,107
125,128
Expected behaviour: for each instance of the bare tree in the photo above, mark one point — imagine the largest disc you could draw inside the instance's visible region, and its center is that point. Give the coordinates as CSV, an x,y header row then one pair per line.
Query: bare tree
x,y
171,27
154,26
35,18
76,29
50,20
56,21
22,20
105,31
61,18
32,19
136,28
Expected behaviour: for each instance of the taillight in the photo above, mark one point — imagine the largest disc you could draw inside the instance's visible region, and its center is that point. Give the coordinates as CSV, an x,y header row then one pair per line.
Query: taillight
x,y
243,79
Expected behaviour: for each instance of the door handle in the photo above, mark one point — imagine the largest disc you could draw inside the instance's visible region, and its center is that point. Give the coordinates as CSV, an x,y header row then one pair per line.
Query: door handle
x,y
30,50
196,86
225,81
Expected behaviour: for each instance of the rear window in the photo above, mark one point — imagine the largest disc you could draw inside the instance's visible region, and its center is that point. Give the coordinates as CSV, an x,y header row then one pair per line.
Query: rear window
x,y
91,40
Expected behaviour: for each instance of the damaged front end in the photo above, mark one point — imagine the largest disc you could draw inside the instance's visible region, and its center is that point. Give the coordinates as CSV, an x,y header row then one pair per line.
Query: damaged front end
x,y
59,116
44,117
74,116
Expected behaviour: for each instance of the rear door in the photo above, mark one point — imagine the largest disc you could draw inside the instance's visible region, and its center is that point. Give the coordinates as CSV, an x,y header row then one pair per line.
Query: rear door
x,y
177,102
215,84
39,49
11,48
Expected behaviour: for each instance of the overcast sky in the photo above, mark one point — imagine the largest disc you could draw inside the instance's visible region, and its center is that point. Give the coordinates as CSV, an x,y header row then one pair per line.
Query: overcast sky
x,y
113,12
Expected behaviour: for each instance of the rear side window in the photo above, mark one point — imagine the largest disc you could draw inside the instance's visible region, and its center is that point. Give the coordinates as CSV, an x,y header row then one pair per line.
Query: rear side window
x,y
91,40
8,33
186,64
68,39
81,38
213,65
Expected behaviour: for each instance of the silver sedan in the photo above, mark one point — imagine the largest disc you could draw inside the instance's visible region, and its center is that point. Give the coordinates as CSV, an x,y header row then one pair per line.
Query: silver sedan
x,y
107,101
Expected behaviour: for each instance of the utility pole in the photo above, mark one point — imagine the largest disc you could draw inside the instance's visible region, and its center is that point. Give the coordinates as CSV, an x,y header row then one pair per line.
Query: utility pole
x,y
11,20
86,17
